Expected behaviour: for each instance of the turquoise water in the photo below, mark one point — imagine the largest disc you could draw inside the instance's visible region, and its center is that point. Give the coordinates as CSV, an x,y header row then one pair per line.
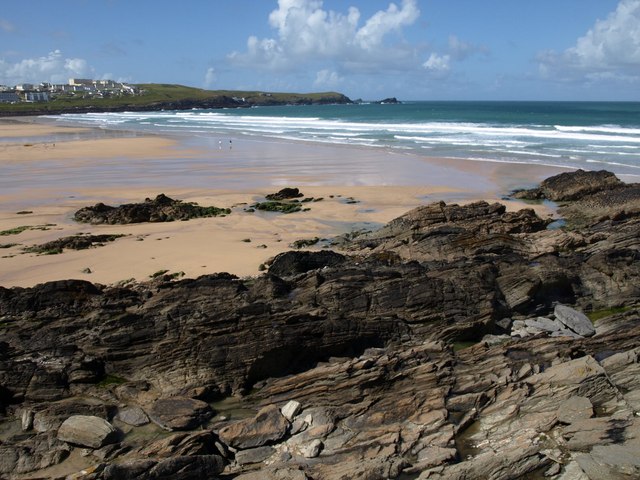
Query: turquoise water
x,y
588,135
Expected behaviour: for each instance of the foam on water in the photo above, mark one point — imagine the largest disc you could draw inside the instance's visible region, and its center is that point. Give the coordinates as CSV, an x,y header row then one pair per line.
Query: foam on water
x,y
572,135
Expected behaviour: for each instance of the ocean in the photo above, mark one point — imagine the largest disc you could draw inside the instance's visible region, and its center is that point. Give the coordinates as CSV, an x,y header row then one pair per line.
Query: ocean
x,y
587,135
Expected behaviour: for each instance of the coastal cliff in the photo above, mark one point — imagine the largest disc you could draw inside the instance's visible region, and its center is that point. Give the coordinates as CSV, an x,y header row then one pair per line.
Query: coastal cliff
x,y
451,343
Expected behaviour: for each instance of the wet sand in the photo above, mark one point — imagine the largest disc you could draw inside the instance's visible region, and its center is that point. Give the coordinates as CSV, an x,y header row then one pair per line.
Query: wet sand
x,y
87,166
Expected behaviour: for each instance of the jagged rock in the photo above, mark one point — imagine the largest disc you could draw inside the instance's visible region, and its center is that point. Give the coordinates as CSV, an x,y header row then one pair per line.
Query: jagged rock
x,y
180,413
268,426
87,431
160,209
575,321
185,444
19,456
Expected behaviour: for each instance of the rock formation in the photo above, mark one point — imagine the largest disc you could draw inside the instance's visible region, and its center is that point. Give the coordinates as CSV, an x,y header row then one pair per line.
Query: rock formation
x,y
160,209
450,344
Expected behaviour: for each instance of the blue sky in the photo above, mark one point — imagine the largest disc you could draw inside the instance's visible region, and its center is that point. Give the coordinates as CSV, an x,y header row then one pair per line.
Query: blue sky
x,y
371,49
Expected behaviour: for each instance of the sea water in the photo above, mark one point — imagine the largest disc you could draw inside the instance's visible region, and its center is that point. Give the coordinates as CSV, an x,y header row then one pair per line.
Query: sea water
x,y
587,135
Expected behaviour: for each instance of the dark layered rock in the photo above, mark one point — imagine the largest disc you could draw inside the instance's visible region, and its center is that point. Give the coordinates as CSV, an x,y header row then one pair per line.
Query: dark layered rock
x,y
572,186
361,350
160,209
178,413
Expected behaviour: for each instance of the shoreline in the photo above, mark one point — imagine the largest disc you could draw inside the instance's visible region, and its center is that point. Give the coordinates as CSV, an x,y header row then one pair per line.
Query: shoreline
x,y
80,171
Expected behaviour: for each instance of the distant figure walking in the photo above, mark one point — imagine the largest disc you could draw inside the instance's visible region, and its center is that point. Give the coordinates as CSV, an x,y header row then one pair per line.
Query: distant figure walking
x,y
219,144
230,145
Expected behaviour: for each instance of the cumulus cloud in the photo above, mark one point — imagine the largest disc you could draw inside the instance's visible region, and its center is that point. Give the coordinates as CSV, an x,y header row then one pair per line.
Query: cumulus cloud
x,y
609,50
437,63
52,68
306,33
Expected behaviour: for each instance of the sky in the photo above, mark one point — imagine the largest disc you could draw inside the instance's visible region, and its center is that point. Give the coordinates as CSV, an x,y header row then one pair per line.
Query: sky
x,y
369,49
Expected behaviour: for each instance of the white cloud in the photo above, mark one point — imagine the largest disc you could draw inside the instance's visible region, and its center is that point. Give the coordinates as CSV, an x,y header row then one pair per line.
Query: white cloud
x,y
438,63
610,50
50,68
372,33
307,33
327,79
210,77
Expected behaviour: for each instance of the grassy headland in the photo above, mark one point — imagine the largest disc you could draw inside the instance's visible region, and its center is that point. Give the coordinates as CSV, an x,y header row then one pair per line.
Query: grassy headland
x,y
156,96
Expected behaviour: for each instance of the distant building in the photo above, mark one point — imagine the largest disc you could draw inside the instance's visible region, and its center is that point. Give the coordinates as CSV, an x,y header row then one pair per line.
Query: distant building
x,y
9,97
36,97
24,87
81,82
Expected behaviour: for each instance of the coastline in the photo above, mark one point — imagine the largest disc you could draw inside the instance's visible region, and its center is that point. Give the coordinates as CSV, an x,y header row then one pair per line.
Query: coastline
x,y
115,167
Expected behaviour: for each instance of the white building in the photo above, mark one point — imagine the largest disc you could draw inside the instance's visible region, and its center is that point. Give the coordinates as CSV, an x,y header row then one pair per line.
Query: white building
x,y
23,87
81,82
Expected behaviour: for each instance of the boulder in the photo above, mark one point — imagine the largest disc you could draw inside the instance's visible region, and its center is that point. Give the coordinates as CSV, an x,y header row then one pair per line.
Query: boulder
x,y
268,426
293,263
134,416
290,410
87,431
180,413
313,449
575,321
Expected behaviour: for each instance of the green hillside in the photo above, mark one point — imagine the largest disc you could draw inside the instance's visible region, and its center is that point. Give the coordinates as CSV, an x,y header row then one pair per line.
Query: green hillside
x,y
156,96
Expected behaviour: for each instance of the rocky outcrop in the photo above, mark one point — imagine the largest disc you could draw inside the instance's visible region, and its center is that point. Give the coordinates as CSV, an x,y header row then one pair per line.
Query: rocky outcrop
x,y
370,363
285,194
160,209
588,198
74,242
572,186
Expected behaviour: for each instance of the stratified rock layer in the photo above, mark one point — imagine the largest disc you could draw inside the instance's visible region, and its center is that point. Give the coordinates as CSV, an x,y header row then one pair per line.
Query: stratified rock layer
x,y
352,364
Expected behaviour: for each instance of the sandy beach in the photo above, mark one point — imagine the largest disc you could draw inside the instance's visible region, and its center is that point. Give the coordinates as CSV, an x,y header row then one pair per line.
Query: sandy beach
x,y
51,171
